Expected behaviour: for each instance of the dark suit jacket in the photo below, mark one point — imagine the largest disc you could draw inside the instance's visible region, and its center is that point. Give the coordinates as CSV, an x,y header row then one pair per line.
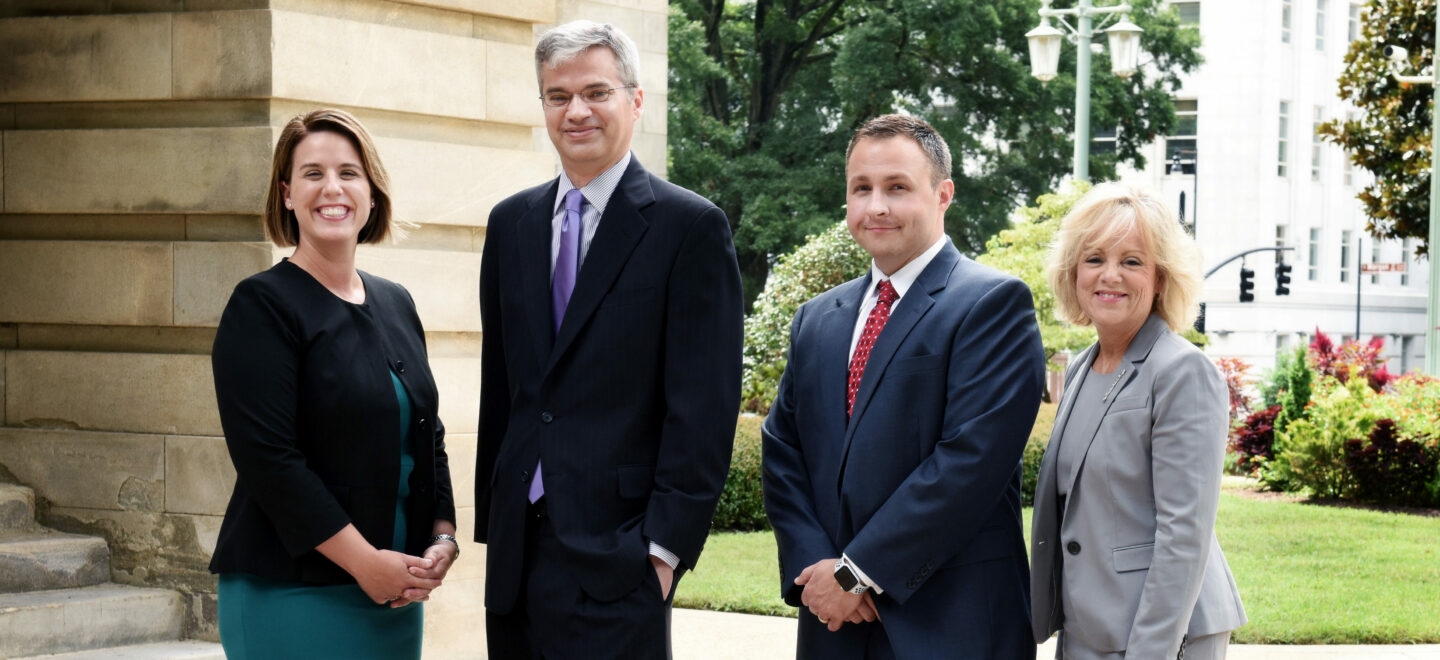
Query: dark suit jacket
x,y
922,487
313,426
632,405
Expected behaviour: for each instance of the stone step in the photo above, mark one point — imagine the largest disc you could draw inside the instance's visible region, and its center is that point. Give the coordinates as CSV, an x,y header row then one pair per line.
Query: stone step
x,y
67,620
17,507
40,559
186,650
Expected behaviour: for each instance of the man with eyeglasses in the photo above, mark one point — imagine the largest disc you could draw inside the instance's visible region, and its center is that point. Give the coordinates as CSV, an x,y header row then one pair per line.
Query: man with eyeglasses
x,y
610,375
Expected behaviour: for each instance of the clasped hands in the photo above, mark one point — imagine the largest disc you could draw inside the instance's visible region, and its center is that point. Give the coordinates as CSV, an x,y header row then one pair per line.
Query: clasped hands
x,y
413,578
828,602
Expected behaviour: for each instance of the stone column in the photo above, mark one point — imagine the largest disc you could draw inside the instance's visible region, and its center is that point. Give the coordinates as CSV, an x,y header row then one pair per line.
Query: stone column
x,y
135,146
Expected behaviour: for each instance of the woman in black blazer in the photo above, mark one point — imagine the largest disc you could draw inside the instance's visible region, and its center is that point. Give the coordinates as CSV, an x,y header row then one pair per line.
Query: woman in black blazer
x,y
342,513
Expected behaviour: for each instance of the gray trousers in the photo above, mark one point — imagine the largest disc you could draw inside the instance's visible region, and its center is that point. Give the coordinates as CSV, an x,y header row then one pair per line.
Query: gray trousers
x,y
1209,647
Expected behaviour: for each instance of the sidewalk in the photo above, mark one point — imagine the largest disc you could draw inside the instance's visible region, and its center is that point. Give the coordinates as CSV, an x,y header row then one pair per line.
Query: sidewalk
x,y
702,635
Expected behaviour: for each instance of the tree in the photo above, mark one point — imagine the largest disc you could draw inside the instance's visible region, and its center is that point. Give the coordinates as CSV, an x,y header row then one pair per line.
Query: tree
x,y
764,96
1391,136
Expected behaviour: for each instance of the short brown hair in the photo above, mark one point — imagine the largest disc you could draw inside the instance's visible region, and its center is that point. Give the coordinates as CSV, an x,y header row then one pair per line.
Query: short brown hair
x,y
1106,215
915,128
280,224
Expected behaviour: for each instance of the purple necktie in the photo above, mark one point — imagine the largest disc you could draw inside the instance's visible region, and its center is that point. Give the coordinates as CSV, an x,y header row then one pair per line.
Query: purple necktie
x,y
567,264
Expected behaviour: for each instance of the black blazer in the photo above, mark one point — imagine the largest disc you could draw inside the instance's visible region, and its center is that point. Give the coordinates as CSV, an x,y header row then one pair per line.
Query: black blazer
x,y
311,419
632,405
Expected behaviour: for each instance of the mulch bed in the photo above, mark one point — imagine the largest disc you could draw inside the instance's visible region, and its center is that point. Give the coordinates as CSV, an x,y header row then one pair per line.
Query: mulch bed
x,y
1253,492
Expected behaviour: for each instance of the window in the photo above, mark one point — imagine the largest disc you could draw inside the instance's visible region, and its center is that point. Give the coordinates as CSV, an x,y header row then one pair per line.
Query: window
x,y
1182,141
1313,273
1285,21
1280,236
1316,145
1284,133
1319,24
1189,11
1374,258
1345,237
1102,140
1405,259
1353,32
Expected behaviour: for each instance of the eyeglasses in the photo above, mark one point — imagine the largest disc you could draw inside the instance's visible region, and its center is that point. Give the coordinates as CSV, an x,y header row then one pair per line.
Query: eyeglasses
x,y
594,96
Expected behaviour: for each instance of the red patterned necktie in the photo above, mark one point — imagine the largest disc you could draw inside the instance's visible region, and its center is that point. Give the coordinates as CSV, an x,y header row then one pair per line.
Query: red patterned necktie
x,y
873,325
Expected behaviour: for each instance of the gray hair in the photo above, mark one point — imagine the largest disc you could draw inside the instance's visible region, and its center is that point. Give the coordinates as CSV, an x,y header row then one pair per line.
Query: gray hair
x,y
563,43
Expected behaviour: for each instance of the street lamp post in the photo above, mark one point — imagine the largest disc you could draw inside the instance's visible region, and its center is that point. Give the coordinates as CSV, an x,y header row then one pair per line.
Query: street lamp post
x,y
1432,310
1045,40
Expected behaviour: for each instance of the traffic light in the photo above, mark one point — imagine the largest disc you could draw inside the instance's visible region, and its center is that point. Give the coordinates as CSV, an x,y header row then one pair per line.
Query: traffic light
x,y
1282,277
1247,285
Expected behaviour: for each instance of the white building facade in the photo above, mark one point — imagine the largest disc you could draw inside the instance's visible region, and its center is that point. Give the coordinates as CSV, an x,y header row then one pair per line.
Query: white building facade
x,y
1248,152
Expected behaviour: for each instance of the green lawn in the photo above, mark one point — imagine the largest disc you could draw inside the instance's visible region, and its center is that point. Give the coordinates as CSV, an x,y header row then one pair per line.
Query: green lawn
x,y
1309,574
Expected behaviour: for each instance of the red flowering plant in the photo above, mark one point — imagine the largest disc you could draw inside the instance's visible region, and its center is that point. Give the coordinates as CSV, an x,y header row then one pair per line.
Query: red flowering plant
x,y
1350,358
1234,370
1253,441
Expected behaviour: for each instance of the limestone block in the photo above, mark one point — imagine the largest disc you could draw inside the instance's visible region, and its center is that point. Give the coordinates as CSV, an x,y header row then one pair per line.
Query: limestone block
x,y
222,54
459,383
111,282
406,14
628,16
115,338
440,237
224,228
511,93
453,344
129,227
135,392
3,422
378,66
460,447
115,471
445,285
85,58
655,119
59,621
651,150
531,11
206,274
148,548
38,559
451,626
654,74
146,170
198,475
508,31
160,113
453,184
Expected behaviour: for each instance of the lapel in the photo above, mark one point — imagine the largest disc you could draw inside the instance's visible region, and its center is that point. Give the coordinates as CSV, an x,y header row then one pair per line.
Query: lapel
x,y
837,327
908,311
1125,374
620,230
1075,376
535,267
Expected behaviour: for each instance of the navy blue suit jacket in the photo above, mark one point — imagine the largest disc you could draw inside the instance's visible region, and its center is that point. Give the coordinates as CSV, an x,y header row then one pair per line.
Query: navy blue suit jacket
x,y
921,486
631,406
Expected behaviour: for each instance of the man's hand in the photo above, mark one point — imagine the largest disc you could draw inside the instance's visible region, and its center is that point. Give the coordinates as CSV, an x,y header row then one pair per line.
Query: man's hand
x,y
666,575
828,602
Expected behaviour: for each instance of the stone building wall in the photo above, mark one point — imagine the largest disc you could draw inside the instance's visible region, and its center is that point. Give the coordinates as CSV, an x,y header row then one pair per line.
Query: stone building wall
x,y
135,146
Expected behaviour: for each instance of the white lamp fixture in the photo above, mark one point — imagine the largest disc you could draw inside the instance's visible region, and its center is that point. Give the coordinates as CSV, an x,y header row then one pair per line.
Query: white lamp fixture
x,y
1044,50
1124,47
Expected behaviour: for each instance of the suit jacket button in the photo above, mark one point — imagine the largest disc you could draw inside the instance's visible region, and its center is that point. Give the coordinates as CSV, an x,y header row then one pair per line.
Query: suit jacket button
x,y
424,422
399,367
525,476
546,417
1073,547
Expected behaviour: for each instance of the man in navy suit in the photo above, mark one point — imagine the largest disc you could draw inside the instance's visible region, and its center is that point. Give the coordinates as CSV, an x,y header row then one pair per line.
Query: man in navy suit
x,y
892,452
611,308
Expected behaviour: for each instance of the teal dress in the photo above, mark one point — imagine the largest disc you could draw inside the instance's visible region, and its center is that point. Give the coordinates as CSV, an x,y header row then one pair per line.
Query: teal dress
x,y
272,619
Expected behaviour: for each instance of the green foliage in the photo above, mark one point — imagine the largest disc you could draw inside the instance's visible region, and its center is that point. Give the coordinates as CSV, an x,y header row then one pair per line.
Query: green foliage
x,y
825,261
1035,452
764,95
1414,403
742,504
1391,136
1022,250
1310,451
1291,388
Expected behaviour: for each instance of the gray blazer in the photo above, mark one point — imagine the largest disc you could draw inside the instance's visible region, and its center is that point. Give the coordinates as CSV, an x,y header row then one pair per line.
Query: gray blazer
x,y
1136,539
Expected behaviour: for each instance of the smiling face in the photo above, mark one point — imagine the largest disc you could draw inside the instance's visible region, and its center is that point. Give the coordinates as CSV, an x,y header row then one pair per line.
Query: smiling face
x,y
328,191
590,136
1116,282
891,208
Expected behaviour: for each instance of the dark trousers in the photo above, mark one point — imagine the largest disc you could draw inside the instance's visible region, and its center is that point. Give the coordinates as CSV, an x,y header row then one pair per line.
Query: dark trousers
x,y
554,619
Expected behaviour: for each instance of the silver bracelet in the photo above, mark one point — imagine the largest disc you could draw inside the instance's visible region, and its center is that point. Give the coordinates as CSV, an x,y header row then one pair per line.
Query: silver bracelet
x,y
447,537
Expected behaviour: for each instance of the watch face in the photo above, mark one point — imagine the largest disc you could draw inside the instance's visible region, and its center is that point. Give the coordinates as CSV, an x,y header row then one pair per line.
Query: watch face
x,y
846,578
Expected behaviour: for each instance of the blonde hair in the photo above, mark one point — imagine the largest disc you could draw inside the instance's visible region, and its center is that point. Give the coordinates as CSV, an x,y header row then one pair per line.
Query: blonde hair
x,y
1108,213
280,223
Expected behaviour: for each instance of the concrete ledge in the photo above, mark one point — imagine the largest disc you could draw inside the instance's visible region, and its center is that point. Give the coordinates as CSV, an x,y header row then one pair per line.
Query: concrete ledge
x,y
116,471
134,392
40,622
122,283
39,560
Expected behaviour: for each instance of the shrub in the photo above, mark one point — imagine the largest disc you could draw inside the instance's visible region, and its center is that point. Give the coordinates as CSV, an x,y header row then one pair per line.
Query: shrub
x,y
1350,358
742,504
1234,370
1310,452
1292,389
1035,451
1392,471
1413,401
1253,441
823,262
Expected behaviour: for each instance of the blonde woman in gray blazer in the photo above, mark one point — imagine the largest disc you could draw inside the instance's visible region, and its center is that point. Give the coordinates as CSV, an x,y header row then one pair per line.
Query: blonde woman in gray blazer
x,y
1125,560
